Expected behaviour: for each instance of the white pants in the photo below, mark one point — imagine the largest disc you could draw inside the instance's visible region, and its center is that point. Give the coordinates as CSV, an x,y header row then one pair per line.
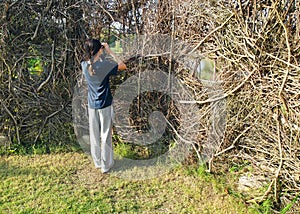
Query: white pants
x,y
100,126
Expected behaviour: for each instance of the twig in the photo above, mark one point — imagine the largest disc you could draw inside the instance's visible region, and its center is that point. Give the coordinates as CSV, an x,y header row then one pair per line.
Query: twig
x,y
210,33
280,156
221,97
37,28
108,13
52,68
45,121
289,53
233,143
13,118
283,61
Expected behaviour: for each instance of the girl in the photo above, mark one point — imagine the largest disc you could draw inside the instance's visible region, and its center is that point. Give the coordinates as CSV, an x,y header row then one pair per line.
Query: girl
x,y
97,71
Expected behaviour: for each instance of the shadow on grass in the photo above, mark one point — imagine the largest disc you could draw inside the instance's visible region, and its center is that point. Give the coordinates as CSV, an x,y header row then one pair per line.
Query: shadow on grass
x,y
8,169
140,169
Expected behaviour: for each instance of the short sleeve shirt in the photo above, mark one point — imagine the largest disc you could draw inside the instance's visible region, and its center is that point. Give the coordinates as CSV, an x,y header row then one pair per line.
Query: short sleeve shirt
x,y
99,94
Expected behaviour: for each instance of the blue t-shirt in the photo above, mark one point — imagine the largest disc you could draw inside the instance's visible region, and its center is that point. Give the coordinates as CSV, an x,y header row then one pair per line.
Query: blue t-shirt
x,y
99,94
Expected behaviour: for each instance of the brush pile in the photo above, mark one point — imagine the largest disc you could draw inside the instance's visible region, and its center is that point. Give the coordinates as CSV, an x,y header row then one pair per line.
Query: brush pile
x,y
256,47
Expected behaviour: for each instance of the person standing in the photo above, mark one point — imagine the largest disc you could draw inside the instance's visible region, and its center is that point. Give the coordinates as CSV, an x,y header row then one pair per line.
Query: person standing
x,y
97,70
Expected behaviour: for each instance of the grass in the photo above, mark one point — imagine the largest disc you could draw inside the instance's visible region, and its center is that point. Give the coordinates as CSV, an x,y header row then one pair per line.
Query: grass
x,y
68,183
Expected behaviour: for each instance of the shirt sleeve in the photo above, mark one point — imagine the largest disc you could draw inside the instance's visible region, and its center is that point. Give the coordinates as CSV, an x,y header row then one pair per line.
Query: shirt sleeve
x,y
113,68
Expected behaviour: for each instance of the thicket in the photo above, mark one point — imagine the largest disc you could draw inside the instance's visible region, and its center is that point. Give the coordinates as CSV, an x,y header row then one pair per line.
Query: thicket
x,y
256,49
40,58
255,46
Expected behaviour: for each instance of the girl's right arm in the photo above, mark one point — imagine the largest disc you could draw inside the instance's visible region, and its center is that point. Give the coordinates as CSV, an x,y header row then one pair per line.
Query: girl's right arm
x,y
121,64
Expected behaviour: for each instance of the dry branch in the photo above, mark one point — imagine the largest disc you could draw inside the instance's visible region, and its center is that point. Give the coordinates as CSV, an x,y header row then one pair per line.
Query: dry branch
x,y
257,54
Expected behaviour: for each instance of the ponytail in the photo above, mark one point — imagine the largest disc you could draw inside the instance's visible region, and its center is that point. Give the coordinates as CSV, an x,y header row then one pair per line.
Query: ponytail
x,y
91,47
91,66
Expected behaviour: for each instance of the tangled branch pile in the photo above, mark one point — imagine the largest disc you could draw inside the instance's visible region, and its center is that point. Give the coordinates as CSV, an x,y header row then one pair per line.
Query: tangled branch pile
x,y
256,47
40,61
37,62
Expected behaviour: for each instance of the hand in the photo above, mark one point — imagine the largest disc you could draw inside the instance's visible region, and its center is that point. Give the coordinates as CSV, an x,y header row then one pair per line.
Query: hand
x,y
121,66
105,45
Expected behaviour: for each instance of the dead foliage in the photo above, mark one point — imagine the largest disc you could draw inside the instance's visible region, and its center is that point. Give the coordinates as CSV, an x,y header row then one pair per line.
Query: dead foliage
x,y
255,46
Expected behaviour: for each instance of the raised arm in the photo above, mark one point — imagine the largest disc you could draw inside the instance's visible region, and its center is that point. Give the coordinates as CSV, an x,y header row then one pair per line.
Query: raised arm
x,y
121,64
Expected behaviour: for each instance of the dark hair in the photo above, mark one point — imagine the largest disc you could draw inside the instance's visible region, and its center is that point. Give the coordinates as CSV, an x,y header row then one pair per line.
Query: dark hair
x,y
91,47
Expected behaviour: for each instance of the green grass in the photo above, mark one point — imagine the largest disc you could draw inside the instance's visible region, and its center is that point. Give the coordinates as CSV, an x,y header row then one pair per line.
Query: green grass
x,y
68,183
